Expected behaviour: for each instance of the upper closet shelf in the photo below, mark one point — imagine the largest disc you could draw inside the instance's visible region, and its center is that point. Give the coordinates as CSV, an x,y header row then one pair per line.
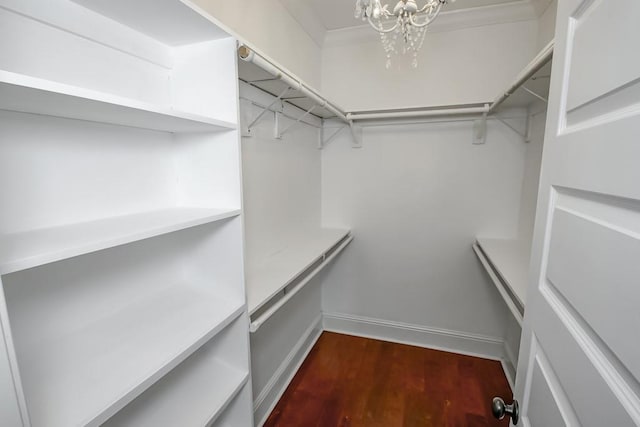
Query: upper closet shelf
x,y
39,96
22,250
256,71
507,263
273,274
531,85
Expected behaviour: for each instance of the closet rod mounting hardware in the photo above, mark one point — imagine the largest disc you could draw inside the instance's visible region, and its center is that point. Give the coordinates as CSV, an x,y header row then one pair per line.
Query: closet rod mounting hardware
x,y
249,55
265,109
480,128
356,134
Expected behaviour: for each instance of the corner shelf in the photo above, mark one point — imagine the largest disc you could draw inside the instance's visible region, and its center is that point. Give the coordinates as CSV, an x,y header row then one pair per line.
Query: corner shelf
x,y
507,263
84,377
19,251
39,96
274,273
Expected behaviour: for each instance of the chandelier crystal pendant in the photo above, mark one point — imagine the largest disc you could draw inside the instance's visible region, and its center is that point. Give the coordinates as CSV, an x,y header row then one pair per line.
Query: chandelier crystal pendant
x,y
406,22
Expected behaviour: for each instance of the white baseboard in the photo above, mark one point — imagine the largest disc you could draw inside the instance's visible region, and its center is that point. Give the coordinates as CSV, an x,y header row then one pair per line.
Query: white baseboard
x,y
421,336
509,365
278,383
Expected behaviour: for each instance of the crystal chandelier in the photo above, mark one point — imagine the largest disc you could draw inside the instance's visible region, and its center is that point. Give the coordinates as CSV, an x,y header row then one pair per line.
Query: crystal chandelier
x,y
406,21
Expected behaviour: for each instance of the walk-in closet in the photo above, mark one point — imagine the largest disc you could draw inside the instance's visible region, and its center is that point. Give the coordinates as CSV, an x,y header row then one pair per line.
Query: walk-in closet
x,y
293,213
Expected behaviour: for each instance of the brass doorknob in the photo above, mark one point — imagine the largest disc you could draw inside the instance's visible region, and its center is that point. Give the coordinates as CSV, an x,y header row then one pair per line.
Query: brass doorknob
x,y
500,409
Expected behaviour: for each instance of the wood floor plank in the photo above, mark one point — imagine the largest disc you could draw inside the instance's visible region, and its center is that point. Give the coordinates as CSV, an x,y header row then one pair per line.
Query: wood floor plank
x,y
349,381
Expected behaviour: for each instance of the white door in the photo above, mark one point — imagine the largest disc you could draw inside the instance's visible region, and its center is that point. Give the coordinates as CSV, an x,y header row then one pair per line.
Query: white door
x,y
580,355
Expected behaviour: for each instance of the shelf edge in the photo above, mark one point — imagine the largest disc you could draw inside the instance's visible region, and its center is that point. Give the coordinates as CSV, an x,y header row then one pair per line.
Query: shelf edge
x,y
33,261
499,282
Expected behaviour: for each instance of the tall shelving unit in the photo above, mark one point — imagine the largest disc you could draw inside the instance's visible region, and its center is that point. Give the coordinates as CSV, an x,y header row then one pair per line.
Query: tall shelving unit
x,y
121,257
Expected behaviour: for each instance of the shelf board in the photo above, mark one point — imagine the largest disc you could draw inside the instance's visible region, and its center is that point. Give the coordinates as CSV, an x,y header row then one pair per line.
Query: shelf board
x,y
87,375
189,397
510,260
172,22
27,94
273,273
19,251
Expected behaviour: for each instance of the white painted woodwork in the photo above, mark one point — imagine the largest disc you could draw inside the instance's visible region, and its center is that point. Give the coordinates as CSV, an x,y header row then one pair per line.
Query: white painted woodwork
x,y
9,383
581,316
121,241
39,96
273,273
170,23
510,257
29,249
221,362
120,319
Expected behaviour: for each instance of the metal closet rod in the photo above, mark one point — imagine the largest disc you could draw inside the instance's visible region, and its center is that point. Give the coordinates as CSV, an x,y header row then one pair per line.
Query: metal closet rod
x,y
247,54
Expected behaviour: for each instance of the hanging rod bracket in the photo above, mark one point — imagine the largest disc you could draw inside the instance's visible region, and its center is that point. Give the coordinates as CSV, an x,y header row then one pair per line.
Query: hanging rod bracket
x,y
527,132
356,134
247,131
480,127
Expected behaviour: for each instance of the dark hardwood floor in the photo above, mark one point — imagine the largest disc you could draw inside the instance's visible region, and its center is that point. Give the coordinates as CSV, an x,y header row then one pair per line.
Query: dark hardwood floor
x,y
349,381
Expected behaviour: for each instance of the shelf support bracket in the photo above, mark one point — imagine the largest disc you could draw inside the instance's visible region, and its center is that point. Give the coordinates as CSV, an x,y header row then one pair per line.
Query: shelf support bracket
x,y
323,142
480,127
507,124
537,95
298,120
264,111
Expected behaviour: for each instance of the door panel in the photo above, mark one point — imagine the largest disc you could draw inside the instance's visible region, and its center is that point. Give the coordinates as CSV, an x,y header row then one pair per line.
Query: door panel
x,y
594,387
544,395
604,41
595,280
580,352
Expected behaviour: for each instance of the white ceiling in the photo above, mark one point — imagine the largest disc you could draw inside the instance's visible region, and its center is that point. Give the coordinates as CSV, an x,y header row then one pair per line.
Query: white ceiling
x,y
319,16
336,14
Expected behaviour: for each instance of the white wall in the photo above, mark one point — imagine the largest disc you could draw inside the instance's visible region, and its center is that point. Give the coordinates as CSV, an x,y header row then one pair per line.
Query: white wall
x,y
269,27
416,196
547,24
455,67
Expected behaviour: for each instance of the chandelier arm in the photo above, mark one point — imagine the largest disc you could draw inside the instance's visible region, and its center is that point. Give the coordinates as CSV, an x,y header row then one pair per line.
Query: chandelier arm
x,y
428,21
381,29
426,6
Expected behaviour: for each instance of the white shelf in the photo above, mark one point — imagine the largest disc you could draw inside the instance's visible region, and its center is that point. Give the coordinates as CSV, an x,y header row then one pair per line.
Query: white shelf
x,y
274,273
185,397
92,372
510,260
39,96
19,251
